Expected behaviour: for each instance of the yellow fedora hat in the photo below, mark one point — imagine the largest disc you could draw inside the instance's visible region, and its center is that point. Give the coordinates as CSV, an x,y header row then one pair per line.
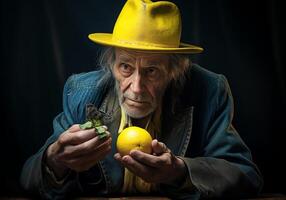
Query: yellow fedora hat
x,y
148,26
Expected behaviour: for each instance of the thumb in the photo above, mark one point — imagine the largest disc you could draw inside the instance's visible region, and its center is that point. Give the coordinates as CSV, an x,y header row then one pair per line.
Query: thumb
x,y
159,147
74,128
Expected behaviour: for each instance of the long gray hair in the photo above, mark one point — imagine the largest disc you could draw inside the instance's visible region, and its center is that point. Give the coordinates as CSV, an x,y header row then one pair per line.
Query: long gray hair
x,y
179,64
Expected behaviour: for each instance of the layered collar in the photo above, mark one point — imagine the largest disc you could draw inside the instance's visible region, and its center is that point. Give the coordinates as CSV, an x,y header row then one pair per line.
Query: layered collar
x,y
176,128
176,121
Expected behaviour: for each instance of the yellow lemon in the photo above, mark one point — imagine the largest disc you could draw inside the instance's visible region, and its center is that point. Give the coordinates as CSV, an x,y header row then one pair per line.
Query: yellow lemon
x,y
134,137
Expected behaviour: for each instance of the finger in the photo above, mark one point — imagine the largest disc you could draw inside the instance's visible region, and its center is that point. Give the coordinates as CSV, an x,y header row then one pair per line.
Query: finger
x,y
87,161
137,168
77,137
104,127
74,128
159,147
117,157
150,160
80,157
84,148
92,158
108,134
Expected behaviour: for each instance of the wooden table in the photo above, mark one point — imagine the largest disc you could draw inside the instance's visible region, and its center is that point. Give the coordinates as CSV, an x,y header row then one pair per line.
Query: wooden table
x,y
96,198
263,197
125,198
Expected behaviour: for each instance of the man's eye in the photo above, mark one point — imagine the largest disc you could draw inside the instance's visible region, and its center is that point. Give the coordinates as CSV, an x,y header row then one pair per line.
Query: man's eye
x,y
152,71
125,68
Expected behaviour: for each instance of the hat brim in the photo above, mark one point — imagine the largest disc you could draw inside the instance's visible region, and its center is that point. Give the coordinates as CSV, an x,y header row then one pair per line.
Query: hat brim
x,y
106,39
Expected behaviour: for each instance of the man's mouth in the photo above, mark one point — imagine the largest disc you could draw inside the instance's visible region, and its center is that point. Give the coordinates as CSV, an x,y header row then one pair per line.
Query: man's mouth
x,y
136,103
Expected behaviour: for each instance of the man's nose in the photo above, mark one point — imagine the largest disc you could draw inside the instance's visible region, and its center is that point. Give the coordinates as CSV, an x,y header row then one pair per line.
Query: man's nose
x,y
137,84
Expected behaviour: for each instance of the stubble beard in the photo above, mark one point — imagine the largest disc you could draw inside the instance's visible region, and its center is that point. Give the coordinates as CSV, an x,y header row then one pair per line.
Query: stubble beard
x,y
136,114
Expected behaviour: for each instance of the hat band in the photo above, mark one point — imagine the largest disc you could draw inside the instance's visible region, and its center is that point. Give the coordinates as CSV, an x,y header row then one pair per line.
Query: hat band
x,y
140,43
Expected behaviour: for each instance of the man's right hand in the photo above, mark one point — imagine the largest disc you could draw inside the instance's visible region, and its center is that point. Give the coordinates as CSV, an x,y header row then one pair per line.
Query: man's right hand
x,y
77,149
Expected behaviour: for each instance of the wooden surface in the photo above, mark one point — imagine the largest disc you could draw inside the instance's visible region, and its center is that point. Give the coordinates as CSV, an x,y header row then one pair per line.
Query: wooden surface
x,y
119,198
126,198
270,197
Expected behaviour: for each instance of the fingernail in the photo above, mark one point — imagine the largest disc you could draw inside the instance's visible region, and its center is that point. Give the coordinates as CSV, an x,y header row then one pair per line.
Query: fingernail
x,y
108,133
125,158
133,152
116,156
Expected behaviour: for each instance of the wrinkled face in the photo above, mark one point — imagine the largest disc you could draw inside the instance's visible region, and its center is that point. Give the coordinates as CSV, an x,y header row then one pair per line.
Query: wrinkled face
x,y
141,81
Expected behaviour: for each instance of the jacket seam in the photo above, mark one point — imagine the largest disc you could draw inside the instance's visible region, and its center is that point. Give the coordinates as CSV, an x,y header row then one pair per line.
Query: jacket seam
x,y
188,133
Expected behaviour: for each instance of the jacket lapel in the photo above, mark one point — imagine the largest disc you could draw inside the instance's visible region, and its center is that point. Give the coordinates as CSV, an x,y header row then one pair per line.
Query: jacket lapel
x,y
177,130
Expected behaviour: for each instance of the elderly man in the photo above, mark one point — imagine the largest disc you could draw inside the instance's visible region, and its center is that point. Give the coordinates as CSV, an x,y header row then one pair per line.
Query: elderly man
x,y
146,80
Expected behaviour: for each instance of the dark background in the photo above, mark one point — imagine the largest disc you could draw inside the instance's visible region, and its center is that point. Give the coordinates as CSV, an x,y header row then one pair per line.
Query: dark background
x,y
45,41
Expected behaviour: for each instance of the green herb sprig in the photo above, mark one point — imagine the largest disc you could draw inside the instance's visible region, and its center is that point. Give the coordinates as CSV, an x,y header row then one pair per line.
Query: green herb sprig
x,y
97,125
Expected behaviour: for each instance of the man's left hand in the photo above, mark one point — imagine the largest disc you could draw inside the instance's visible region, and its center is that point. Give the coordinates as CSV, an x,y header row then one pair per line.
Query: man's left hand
x,y
161,167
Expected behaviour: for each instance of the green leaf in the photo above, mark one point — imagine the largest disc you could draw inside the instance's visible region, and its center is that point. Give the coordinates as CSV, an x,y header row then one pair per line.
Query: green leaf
x,y
104,135
97,122
86,125
100,130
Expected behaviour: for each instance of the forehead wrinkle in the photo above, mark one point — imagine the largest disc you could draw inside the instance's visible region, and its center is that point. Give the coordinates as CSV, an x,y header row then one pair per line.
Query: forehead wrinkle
x,y
126,57
137,54
145,59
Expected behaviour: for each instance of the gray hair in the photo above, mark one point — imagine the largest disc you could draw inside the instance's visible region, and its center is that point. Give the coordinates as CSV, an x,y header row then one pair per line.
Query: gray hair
x,y
106,61
179,64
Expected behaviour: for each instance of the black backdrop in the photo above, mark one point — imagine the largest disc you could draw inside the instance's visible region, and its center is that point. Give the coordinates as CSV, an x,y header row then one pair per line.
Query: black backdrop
x,y
45,41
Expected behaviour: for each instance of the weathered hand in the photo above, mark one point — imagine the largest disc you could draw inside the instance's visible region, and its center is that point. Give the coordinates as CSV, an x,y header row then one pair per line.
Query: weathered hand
x,y
77,149
161,167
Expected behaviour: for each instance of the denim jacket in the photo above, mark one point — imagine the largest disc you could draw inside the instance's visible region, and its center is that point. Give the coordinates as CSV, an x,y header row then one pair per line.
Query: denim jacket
x,y
196,125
